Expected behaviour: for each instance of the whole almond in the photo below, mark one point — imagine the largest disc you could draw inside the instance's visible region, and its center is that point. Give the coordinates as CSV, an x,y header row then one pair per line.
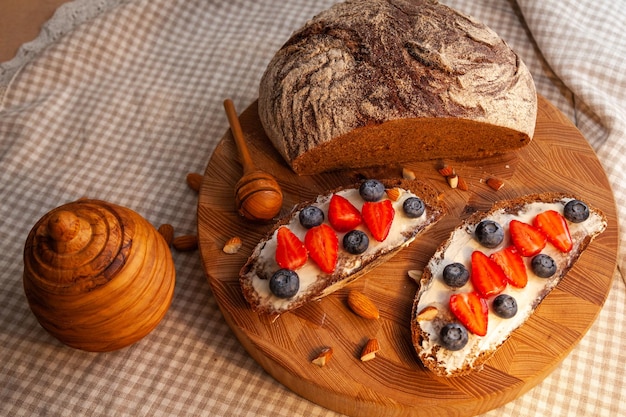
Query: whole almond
x,y
323,357
495,183
463,186
167,231
185,243
232,245
362,306
446,171
370,350
194,181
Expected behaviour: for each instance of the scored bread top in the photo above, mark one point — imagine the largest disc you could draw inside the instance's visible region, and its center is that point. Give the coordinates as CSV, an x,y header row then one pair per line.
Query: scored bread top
x,y
348,88
315,284
458,248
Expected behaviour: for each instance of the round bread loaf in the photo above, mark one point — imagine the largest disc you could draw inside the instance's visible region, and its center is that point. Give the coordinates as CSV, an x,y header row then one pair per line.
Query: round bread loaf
x,y
379,82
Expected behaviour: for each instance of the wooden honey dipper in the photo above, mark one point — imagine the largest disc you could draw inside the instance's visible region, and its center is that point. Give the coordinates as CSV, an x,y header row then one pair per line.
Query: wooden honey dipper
x,y
258,197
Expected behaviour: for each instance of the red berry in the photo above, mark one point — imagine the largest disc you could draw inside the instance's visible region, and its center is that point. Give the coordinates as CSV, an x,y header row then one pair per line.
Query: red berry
x,y
378,217
290,251
471,310
322,244
554,226
512,264
487,277
528,239
342,215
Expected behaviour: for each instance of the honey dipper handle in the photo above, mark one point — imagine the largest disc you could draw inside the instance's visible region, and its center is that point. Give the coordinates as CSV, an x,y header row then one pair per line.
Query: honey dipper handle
x,y
235,127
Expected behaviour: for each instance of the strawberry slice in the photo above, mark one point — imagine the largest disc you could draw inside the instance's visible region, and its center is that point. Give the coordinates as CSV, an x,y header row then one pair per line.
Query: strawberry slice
x,y
342,215
512,263
487,277
322,243
378,217
290,251
554,226
528,239
471,310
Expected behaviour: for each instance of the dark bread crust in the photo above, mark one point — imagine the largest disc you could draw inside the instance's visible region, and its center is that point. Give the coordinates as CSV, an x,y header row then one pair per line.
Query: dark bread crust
x,y
514,206
328,283
373,82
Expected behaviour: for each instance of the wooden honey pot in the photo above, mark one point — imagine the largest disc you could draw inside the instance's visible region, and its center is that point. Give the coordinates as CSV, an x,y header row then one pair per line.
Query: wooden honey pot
x,y
97,276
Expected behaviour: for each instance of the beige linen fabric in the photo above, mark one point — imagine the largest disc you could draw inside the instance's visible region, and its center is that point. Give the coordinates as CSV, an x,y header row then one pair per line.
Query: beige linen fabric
x,y
119,100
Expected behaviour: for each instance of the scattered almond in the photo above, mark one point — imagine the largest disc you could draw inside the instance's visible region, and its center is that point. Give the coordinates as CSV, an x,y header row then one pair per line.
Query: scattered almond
x,y
446,171
362,306
194,181
428,313
167,231
232,245
370,350
453,180
416,275
185,243
407,174
393,193
323,357
495,183
462,185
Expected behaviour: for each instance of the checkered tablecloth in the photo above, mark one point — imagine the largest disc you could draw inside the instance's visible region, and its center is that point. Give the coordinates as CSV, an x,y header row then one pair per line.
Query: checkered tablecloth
x,y
119,100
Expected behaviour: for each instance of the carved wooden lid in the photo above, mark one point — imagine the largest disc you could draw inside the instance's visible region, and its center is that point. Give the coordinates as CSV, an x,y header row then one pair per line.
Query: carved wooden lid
x,y
78,246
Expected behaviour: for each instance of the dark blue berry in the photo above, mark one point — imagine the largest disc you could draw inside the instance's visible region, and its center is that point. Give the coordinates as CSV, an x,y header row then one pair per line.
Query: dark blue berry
x,y
576,211
355,242
413,207
489,233
453,336
543,265
455,275
284,283
504,306
311,216
372,190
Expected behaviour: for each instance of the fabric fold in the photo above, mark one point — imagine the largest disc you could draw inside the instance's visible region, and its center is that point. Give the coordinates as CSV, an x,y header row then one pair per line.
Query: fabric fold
x,y
586,49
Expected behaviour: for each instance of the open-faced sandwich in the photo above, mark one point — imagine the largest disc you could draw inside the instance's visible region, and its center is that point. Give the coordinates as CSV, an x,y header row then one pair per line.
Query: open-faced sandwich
x,y
490,275
325,244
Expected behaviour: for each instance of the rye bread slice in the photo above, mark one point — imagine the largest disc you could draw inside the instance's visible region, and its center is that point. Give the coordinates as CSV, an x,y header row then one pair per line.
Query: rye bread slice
x,y
315,284
433,292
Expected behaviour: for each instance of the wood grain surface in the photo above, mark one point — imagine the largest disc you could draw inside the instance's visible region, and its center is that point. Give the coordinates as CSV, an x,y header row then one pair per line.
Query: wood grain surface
x,y
395,383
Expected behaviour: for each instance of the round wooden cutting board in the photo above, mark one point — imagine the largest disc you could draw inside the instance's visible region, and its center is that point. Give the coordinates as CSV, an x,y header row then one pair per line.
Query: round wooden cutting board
x,y
395,383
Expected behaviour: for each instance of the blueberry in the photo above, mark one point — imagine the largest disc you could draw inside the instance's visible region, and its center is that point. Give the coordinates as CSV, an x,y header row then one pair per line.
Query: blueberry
x,y
504,306
455,275
453,336
355,242
311,216
413,207
543,266
489,233
284,283
576,211
372,190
